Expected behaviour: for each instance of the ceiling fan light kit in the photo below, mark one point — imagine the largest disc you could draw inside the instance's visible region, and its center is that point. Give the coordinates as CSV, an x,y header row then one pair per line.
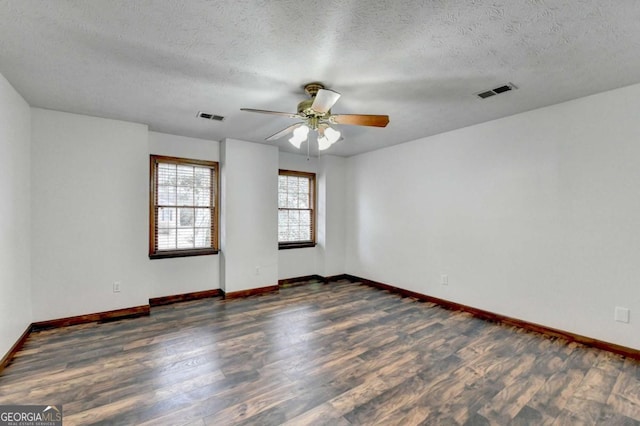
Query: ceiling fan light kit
x,y
316,115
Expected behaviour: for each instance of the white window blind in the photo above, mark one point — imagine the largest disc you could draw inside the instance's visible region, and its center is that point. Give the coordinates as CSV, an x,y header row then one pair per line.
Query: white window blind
x,y
296,208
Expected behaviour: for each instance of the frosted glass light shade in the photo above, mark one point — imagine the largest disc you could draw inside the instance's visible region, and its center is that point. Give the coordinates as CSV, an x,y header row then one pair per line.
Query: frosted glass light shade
x,y
299,136
296,142
332,135
323,143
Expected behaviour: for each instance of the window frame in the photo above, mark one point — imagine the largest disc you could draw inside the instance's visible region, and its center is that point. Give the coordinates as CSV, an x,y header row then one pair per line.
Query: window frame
x,y
154,160
284,245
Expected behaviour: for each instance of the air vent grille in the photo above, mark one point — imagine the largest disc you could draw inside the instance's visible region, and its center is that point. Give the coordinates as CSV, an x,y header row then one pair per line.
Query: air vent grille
x,y
209,116
484,95
507,87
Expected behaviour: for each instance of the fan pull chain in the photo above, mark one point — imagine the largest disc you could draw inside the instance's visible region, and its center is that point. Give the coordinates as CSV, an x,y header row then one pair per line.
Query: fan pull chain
x,y
308,145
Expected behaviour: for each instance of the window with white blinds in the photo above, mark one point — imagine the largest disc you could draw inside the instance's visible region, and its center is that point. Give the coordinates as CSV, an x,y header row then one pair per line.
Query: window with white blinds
x,y
183,207
296,209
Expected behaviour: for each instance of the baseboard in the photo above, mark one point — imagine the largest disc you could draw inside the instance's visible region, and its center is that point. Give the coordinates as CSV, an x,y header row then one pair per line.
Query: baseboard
x,y
301,280
289,282
491,316
136,311
8,357
286,282
167,300
334,278
250,292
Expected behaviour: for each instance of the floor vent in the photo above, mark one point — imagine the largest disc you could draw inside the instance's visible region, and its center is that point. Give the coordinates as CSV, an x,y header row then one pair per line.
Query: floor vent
x,y
507,87
209,116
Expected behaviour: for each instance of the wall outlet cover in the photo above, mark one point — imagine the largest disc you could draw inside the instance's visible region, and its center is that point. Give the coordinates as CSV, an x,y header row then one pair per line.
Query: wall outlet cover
x,y
622,314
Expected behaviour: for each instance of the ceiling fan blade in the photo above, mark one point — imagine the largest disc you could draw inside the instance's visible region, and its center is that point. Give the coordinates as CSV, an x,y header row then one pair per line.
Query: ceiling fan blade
x,y
324,100
284,132
264,111
361,119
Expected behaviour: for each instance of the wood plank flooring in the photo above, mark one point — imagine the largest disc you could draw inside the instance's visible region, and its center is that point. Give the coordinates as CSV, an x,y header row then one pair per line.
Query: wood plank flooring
x,y
320,354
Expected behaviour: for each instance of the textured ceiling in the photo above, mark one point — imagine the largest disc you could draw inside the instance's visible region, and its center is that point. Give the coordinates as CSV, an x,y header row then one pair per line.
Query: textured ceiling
x,y
158,62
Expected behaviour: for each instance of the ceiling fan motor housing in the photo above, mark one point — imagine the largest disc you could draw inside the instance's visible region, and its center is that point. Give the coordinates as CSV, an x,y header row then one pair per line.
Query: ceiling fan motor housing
x,y
312,88
304,108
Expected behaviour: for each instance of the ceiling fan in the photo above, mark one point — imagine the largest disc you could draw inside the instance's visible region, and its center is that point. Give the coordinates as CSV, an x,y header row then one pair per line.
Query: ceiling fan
x,y
315,114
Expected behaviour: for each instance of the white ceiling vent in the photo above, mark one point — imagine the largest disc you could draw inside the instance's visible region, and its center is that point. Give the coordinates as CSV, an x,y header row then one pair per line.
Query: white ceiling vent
x,y
507,87
209,116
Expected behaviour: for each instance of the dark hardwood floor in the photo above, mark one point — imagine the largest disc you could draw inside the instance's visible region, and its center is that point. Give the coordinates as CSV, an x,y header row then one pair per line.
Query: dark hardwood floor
x,y
334,354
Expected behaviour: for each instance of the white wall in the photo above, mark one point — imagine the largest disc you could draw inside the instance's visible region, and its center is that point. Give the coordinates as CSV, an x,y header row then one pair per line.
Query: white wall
x,y
183,274
249,215
331,214
15,229
89,214
298,262
534,216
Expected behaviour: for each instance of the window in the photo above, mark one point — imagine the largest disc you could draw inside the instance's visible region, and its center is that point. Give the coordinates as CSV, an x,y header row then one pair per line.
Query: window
x,y
296,209
183,218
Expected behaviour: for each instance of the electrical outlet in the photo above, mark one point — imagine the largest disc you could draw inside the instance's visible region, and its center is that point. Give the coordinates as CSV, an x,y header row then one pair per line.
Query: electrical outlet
x,y
621,314
444,279
257,270
116,286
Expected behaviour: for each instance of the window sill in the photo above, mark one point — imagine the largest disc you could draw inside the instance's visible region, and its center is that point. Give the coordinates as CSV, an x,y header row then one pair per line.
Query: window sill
x,y
182,253
287,246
